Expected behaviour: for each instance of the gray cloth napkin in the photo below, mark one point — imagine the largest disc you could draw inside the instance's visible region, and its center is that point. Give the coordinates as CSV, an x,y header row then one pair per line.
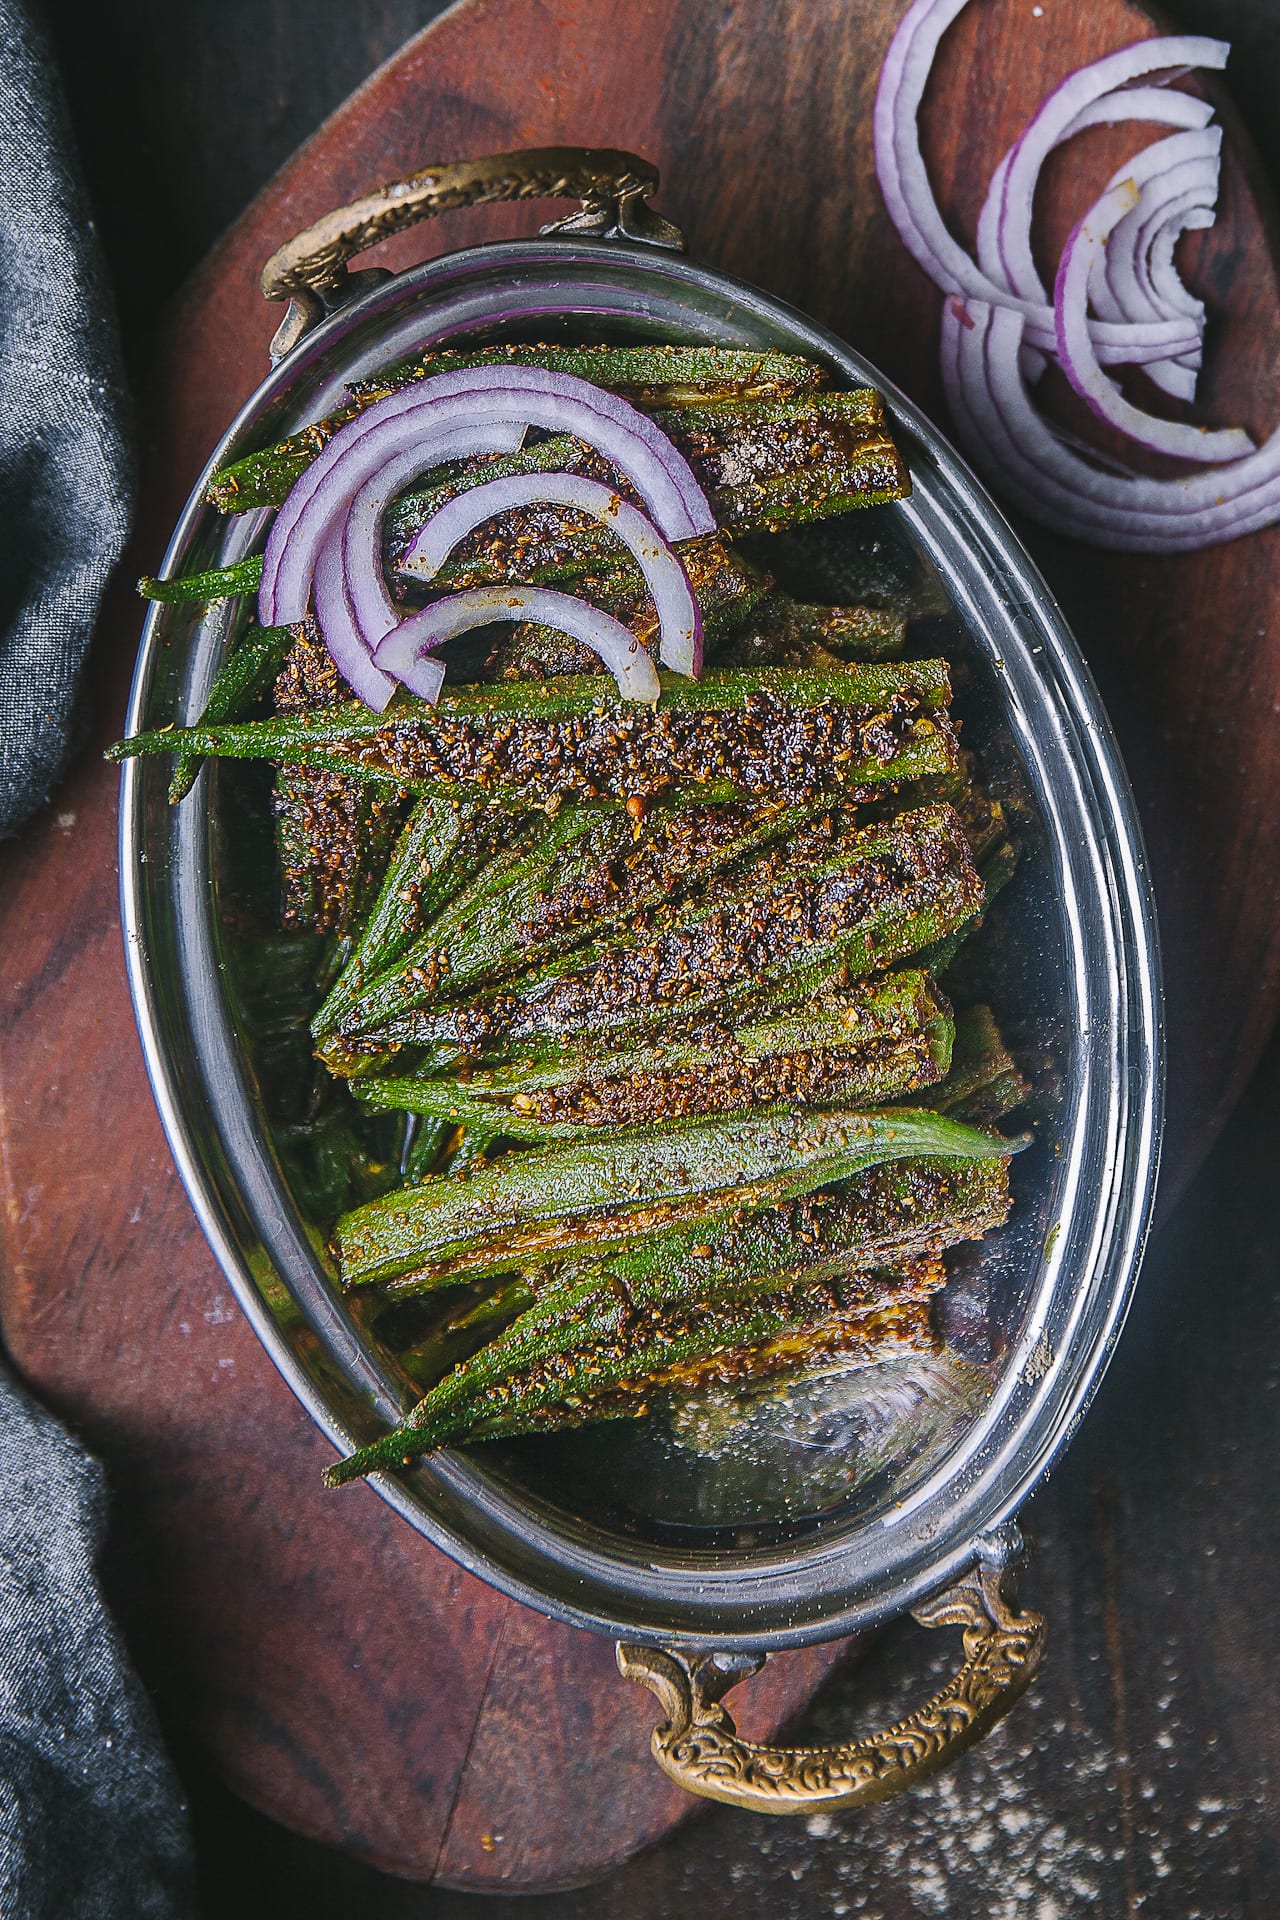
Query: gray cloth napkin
x,y
92,1825
66,467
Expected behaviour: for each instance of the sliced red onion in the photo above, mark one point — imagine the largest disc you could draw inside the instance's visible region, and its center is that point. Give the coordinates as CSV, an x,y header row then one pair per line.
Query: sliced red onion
x,y
1184,215
422,675
1181,172
375,611
1134,273
1154,104
909,197
479,397
1127,264
347,646
1122,257
679,619
619,648
1042,133
1018,451
1079,363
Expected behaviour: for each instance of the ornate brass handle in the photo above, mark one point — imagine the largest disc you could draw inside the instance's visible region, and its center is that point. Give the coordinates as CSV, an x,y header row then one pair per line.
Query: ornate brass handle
x,y
699,1746
311,270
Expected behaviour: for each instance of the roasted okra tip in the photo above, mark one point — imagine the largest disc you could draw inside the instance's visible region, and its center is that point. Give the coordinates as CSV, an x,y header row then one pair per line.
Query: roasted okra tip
x,y
606,1005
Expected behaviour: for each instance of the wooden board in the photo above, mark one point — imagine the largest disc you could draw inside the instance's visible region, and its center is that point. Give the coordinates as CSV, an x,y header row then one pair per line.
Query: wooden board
x,y
342,1674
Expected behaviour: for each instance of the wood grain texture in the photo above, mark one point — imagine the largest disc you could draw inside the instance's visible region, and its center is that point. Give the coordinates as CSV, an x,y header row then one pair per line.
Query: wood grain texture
x,y
342,1674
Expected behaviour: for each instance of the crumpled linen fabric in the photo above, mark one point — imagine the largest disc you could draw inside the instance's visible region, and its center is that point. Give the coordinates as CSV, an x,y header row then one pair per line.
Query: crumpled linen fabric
x,y
66,464
92,1824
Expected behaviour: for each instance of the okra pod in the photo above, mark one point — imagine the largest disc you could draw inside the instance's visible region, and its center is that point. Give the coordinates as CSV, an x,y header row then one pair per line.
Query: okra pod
x,y
243,679
772,735
783,632
984,1082
899,1211
647,376
583,873
589,1351
548,1203
334,834
887,1040
788,924
455,1335
440,847
216,583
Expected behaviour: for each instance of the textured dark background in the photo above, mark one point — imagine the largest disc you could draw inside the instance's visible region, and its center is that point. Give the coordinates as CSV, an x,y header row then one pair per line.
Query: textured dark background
x,y
1142,1777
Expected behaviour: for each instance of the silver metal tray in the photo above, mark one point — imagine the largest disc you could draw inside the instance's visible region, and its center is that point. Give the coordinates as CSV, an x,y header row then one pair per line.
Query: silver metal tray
x,y
1072,967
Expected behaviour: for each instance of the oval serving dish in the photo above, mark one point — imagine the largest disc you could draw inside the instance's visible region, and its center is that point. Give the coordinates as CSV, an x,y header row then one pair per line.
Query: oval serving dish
x,y
765,1543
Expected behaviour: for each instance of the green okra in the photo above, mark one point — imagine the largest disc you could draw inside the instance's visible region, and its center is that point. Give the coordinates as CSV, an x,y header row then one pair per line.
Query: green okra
x,y
837,902
899,1211
423,1143
334,837
334,834
572,879
784,632
725,585
458,1332
649,376
440,847
880,1041
549,1203
882,1219
772,735
997,865
217,583
590,1350
243,679
984,1082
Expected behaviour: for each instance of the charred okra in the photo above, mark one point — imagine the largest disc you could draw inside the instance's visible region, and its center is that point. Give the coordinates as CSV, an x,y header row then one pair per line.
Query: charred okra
x,y
589,1351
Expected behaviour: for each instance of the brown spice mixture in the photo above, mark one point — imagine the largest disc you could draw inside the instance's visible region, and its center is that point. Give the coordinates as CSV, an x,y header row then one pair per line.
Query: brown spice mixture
x,y
766,748
333,831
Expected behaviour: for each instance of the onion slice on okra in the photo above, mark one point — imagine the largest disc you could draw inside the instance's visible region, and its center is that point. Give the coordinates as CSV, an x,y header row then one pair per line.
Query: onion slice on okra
x,y
627,660
679,620
327,529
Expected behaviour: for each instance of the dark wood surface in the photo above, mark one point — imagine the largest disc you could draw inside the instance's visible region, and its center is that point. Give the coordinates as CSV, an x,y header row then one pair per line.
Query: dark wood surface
x,y
1141,1777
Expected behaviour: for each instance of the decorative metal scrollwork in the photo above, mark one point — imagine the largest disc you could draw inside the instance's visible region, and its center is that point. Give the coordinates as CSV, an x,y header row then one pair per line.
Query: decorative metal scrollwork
x,y
699,1746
